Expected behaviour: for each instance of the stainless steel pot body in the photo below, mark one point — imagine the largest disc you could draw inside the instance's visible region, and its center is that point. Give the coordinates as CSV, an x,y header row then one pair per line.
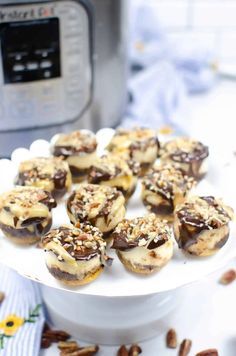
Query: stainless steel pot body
x,y
102,76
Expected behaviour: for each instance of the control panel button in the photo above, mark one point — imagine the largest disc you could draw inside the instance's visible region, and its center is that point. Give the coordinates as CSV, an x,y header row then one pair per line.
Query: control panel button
x,y
18,57
47,74
17,78
21,109
32,65
45,64
18,67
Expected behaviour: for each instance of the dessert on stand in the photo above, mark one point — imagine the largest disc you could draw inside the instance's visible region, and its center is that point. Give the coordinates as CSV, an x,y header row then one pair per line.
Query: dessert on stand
x,y
123,305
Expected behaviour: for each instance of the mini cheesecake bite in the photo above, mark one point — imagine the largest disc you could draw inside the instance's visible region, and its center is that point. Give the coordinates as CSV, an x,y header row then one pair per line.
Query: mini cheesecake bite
x,y
101,206
25,214
163,188
49,173
115,171
75,255
143,244
190,155
78,148
138,144
201,225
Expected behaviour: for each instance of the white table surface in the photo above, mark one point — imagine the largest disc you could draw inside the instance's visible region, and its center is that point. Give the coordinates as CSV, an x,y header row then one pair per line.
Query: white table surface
x,y
208,314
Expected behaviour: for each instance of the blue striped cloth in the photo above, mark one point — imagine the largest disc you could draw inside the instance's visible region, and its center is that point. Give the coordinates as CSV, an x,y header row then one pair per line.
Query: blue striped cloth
x,y
23,301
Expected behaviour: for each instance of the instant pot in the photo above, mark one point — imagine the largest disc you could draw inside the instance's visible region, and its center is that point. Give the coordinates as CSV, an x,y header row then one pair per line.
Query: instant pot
x,y
62,67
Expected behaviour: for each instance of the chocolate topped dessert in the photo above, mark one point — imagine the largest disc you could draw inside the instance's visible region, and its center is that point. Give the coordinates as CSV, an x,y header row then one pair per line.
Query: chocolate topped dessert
x,y
190,155
202,225
102,206
114,171
49,173
143,244
75,255
138,144
25,214
78,148
163,188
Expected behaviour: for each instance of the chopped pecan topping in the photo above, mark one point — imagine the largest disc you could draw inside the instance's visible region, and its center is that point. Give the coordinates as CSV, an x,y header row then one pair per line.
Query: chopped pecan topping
x,y
108,167
184,150
146,231
90,201
42,168
82,242
26,197
167,180
76,142
207,212
138,138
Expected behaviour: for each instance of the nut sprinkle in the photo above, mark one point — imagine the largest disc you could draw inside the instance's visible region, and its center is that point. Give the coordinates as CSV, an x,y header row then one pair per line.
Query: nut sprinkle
x,y
81,242
146,231
167,180
207,212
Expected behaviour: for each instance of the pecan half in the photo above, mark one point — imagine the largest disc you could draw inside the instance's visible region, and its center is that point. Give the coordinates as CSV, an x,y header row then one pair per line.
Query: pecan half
x,y
171,339
228,277
135,350
82,351
122,351
2,297
45,343
68,346
185,347
55,335
208,352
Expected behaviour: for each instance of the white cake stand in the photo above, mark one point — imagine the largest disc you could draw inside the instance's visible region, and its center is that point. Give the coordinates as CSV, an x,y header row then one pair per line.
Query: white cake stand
x,y
119,307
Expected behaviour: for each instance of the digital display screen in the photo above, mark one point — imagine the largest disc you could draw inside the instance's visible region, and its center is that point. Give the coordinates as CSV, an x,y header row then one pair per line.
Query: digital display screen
x,y
30,50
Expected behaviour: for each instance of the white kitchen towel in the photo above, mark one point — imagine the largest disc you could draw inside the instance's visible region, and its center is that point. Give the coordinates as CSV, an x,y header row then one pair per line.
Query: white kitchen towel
x,y
21,315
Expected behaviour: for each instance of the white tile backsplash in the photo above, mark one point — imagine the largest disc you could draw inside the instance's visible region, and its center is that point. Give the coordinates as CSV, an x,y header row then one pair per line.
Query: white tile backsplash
x,y
211,23
171,13
214,14
227,46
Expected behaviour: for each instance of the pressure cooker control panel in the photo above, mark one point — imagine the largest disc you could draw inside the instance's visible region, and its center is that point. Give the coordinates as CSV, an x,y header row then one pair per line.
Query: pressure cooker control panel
x,y
45,64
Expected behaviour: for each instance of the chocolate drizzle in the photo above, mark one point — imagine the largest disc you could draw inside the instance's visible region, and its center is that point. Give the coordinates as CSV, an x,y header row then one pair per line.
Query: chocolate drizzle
x,y
27,178
97,175
38,229
121,243
147,232
184,150
49,201
161,209
142,145
198,154
75,143
80,202
67,151
192,224
82,243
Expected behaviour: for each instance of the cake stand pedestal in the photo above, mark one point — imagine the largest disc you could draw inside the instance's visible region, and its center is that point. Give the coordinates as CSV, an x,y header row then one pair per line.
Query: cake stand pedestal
x,y
112,320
